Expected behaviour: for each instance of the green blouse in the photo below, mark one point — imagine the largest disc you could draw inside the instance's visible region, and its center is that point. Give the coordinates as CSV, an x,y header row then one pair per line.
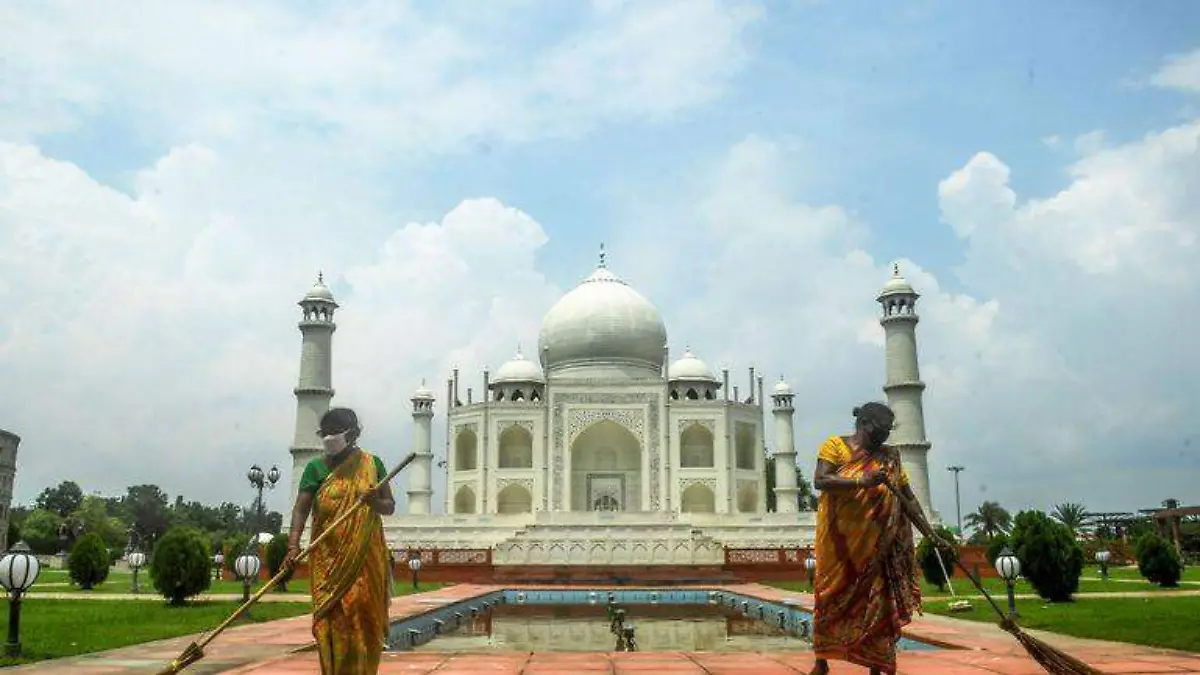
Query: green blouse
x,y
317,471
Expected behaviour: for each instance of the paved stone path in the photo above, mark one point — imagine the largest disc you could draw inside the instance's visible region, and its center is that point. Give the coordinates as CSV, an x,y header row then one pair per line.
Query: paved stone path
x,y
282,647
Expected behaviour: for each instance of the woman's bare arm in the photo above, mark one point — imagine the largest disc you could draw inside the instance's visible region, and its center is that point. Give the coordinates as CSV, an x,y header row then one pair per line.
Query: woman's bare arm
x,y
826,478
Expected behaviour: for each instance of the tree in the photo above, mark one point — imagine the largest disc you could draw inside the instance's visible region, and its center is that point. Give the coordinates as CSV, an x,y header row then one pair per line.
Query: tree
x,y
89,562
1158,561
181,567
94,517
1072,515
991,519
935,571
40,531
1050,557
63,499
145,508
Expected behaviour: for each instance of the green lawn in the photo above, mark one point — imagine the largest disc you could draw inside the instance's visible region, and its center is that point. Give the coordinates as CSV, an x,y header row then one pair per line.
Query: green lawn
x,y
997,589
1093,571
122,582
57,628
1156,622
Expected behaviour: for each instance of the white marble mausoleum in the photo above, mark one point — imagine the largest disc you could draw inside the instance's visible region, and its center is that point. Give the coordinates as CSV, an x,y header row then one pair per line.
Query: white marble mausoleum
x,y
602,449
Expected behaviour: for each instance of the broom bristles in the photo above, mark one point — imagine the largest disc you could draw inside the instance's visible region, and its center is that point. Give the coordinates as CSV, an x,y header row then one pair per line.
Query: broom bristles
x,y
1049,657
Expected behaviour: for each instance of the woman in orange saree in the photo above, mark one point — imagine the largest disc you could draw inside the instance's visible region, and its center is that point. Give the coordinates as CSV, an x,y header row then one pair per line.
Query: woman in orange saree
x,y
865,582
348,570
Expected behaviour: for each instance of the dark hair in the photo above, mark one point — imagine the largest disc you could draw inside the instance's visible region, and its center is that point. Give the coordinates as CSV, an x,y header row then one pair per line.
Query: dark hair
x,y
874,414
338,420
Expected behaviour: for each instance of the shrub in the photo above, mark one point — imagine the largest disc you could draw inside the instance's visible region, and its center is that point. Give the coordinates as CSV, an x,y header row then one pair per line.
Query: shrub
x,y
994,548
1158,561
235,546
1050,557
89,562
276,552
927,558
181,565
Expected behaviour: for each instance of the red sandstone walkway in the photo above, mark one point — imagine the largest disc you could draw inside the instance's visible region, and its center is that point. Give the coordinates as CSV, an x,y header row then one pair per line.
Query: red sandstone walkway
x,y
275,648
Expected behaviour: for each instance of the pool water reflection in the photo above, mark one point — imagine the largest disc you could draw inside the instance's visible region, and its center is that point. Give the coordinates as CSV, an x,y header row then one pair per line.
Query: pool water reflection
x,y
586,628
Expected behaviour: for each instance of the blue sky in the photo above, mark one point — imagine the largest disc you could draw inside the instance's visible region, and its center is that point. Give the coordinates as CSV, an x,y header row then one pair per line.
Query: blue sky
x,y
695,139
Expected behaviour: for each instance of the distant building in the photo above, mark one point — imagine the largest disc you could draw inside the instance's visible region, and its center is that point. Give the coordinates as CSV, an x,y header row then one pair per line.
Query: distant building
x,y
8,471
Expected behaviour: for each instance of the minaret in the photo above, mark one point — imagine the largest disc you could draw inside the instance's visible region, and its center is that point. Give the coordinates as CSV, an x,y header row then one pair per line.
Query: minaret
x,y
315,387
420,481
904,386
785,449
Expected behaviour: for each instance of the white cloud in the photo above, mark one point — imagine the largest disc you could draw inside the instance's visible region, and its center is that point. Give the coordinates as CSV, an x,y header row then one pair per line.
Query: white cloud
x,y
1180,72
379,76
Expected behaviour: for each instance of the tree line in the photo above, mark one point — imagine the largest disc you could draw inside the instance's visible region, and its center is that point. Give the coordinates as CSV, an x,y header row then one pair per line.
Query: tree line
x,y
137,519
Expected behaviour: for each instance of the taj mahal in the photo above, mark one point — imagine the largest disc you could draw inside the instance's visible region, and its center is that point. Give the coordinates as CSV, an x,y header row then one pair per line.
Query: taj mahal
x,y
600,449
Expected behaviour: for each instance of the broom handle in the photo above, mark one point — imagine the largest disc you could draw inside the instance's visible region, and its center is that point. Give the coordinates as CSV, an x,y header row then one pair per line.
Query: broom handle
x,y
918,519
303,553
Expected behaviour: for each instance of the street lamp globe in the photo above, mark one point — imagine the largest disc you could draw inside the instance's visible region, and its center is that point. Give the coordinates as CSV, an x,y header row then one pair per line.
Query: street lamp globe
x,y
247,566
136,559
1103,556
255,474
273,475
19,568
811,563
219,559
1008,565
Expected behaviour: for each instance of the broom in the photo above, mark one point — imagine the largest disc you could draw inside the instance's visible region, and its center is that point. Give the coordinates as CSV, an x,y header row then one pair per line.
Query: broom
x,y
1055,661
195,651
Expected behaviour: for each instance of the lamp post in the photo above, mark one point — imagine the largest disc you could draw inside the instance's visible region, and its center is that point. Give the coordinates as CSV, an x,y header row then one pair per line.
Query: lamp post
x,y
1102,557
218,561
1009,568
957,502
414,564
259,481
246,567
19,568
136,559
811,565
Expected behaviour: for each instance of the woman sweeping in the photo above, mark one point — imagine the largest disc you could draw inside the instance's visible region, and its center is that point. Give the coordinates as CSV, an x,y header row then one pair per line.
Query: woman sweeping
x,y
349,568
866,581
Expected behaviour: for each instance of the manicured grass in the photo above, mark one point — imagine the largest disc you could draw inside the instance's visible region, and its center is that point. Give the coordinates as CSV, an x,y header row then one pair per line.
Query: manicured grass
x,y
1168,622
997,589
1191,573
57,628
122,582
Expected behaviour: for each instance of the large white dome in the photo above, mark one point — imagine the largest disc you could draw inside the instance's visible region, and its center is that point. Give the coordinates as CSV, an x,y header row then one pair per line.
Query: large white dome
x,y
603,321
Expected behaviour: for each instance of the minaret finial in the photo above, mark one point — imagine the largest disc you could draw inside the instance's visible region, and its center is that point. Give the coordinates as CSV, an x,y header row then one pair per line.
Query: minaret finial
x,y
518,349
896,269
602,264
321,277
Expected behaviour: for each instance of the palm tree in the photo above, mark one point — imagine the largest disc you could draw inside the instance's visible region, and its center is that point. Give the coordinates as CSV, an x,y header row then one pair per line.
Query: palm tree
x,y
1071,514
990,518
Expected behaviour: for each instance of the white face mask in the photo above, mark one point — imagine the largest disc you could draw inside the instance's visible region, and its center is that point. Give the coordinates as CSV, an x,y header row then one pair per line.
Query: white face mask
x,y
335,443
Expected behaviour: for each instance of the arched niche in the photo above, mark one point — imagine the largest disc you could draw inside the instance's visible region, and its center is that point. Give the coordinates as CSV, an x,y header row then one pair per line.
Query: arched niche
x,y
606,467
697,498
516,448
745,449
514,499
696,447
464,500
747,498
466,451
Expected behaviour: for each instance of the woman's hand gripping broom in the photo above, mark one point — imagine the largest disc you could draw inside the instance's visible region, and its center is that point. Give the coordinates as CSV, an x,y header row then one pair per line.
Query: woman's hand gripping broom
x,y
1052,659
195,651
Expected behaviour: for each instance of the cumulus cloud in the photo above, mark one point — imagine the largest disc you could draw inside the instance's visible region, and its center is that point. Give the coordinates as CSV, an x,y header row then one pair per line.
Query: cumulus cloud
x,y
1180,72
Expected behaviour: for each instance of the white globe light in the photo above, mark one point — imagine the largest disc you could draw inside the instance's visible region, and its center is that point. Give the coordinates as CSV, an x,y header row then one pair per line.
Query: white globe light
x,y
414,564
219,558
1007,565
1103,556
19,568
247,566
810,563
137,559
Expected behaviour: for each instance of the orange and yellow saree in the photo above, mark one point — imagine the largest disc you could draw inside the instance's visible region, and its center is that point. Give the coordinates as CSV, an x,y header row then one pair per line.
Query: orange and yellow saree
x,y
349,572
865,582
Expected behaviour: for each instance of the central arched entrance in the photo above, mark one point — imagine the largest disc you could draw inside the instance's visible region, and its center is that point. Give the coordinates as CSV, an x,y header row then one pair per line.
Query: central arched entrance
x,y
606,469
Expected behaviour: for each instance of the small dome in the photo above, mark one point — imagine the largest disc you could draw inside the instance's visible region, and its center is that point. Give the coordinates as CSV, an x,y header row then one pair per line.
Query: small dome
x,y
319,291
897,284
422,393
519,369
782,388
603,321
688,367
